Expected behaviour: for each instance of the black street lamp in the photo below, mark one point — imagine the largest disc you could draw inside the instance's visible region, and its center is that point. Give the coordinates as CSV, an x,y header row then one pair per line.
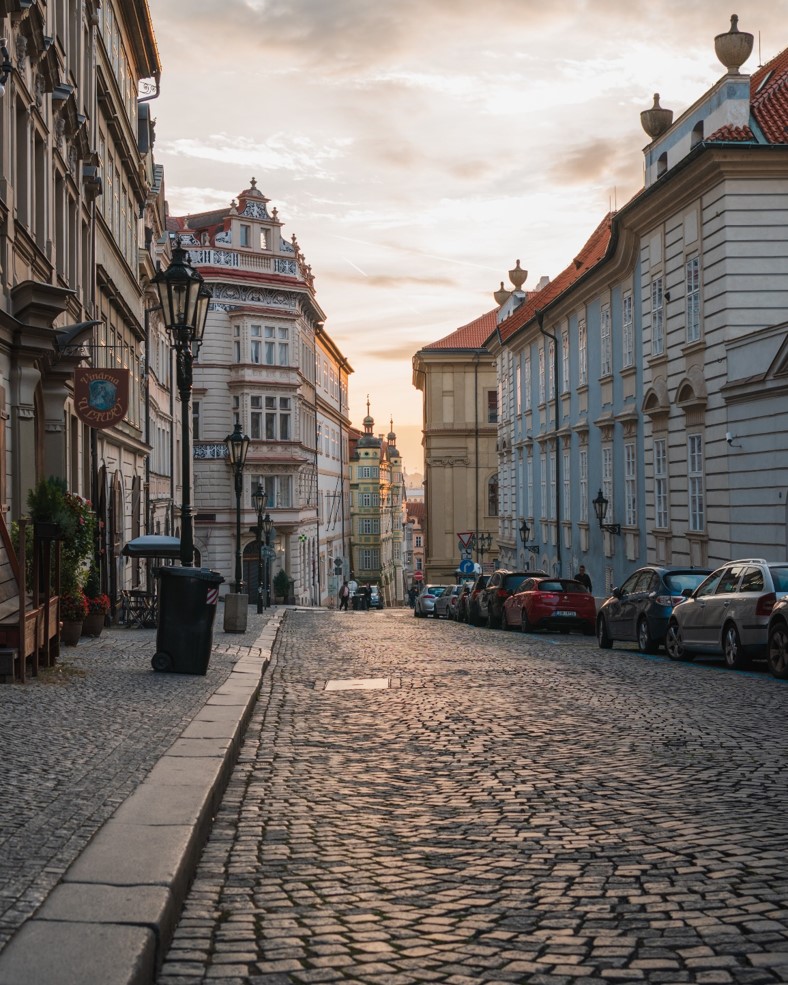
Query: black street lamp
x,y
264,527
237,450
525,536
600,508
482,543
184,300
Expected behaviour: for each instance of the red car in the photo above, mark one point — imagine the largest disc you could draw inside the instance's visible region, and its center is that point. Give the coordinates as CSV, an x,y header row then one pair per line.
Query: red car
x,y
551,603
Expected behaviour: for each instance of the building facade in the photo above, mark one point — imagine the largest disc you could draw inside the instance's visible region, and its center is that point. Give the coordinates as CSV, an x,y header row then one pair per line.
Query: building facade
x,y
457,377
81,216
267,364
651,369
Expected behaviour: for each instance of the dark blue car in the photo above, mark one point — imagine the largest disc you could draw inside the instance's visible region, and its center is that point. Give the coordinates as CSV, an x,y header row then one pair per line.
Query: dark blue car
x,y
639,611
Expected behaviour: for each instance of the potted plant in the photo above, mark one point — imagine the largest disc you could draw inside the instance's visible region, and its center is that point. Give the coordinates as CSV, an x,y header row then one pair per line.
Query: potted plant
x,y
73,609
98,604
46,504
281,585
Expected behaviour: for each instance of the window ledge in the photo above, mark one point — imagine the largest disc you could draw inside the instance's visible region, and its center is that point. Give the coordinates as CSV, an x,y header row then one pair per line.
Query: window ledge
x,y
697,346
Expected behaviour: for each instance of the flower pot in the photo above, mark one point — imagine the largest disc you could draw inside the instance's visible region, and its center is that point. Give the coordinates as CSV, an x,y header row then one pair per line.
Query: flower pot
x,y
93,624
70,632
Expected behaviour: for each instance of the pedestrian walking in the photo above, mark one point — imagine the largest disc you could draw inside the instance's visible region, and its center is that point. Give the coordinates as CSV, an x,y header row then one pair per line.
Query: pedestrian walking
x,y
344,596
583,578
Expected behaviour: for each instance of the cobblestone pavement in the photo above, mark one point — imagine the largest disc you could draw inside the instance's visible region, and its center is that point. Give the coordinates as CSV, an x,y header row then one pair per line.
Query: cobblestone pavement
x,y
511,809
78,740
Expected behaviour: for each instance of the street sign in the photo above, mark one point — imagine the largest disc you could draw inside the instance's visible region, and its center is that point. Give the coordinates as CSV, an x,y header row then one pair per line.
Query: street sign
x,y
418,576
268,552
465,539
467,566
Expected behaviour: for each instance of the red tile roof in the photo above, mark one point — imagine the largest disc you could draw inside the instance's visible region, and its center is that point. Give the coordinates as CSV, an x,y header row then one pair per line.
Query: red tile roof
x,y
591,254
769,98
416,510
729,133
470,336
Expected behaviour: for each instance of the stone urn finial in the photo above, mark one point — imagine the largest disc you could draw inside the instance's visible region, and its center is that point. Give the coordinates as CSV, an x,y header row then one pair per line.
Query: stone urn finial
x,y
501,295
734,47
518,276
656,120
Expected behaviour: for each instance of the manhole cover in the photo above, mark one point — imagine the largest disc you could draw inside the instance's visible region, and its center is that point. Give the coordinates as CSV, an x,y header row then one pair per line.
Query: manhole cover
x,y
358,684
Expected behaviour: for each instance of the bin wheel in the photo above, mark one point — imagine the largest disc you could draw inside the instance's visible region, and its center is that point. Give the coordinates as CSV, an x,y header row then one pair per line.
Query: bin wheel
x,y
161,661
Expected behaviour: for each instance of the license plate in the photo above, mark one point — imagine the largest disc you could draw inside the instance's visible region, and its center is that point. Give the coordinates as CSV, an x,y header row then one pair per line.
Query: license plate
x,y
563,612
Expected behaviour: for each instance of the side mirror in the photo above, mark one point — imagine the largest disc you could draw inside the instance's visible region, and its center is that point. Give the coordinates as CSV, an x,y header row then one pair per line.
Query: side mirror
x,y
617,593
687,593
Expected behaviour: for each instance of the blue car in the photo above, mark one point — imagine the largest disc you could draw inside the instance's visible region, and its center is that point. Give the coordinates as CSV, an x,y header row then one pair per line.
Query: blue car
x,y
640,610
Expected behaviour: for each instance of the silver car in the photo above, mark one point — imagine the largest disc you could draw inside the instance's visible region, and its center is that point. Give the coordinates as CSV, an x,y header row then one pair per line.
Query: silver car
x,y
426,599
444,602
728,613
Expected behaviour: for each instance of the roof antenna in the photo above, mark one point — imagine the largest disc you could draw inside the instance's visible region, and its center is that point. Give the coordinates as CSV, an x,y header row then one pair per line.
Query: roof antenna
x,y
760,60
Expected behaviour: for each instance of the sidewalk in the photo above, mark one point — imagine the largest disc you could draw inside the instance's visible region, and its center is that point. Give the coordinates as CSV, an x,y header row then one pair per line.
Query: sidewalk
x,y
111,776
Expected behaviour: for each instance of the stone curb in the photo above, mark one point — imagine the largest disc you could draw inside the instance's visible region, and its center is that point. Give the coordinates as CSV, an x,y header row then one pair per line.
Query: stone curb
x,y
111,919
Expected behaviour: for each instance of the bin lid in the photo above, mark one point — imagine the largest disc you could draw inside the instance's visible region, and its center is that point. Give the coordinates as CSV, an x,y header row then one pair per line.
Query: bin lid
x,y
152,546
199,574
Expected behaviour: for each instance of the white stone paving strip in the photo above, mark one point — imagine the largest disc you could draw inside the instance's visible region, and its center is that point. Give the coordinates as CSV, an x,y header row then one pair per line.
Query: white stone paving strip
x,y
358,684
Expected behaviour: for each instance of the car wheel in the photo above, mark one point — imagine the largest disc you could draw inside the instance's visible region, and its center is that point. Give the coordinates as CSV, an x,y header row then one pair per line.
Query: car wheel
x,y
674,643
525,622
645,642
777,652
732,649
604,640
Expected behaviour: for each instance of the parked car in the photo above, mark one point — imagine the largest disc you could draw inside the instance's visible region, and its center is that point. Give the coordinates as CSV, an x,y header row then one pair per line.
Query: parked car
x,y
461,608
777,640
426,599
550,603
443,603
640,610
472,603
729,612
501,585
375,598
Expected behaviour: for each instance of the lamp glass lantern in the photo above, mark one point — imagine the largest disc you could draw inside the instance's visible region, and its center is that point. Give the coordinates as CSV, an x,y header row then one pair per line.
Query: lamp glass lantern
x,y
237,449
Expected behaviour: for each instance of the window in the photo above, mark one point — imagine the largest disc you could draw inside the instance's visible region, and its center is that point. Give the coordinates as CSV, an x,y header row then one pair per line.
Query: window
x,y
492,496
256,417
630,485
657,318
627,332
582,352
527,384
236,343
529,484
278,490
551,468
541,376
660,483
605,342
196,420
567,488
543,482
370,559
583,484
246,235
607,480
277,346
277,418
370,525
365,499
697,518
418,540
565,362
256,344
693,299
551,367
492,407
368,472
236,410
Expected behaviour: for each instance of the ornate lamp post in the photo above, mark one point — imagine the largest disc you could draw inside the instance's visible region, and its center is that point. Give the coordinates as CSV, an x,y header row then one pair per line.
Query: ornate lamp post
x,y
525,536
237,450
600,508
482,543
264,527
184,300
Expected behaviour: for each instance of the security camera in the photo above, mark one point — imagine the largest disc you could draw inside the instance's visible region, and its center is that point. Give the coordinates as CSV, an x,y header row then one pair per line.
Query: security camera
x,y
729,437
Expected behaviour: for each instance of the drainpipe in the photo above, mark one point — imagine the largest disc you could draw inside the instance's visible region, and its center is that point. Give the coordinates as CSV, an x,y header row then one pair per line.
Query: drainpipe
x,y
557,464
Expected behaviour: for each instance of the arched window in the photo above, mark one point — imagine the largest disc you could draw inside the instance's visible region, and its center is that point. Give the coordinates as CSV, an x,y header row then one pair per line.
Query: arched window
x,y
662,164
697,134
492,496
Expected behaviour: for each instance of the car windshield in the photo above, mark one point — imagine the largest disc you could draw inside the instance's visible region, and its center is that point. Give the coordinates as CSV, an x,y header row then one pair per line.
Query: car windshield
x,y
780,578
677,581
435,590
512,582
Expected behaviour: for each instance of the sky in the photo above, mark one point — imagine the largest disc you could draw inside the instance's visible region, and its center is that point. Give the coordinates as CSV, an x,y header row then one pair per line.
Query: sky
x,y
417,148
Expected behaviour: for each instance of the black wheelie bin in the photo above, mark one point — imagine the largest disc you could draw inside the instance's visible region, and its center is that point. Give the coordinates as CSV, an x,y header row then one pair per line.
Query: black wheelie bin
x,y
187,608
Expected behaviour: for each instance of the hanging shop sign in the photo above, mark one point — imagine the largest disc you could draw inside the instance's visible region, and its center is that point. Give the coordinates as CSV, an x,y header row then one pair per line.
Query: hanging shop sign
x,y
101,396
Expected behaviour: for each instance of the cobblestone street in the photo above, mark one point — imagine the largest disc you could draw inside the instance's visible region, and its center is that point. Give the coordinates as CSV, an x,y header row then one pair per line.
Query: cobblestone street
x,y
508,809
